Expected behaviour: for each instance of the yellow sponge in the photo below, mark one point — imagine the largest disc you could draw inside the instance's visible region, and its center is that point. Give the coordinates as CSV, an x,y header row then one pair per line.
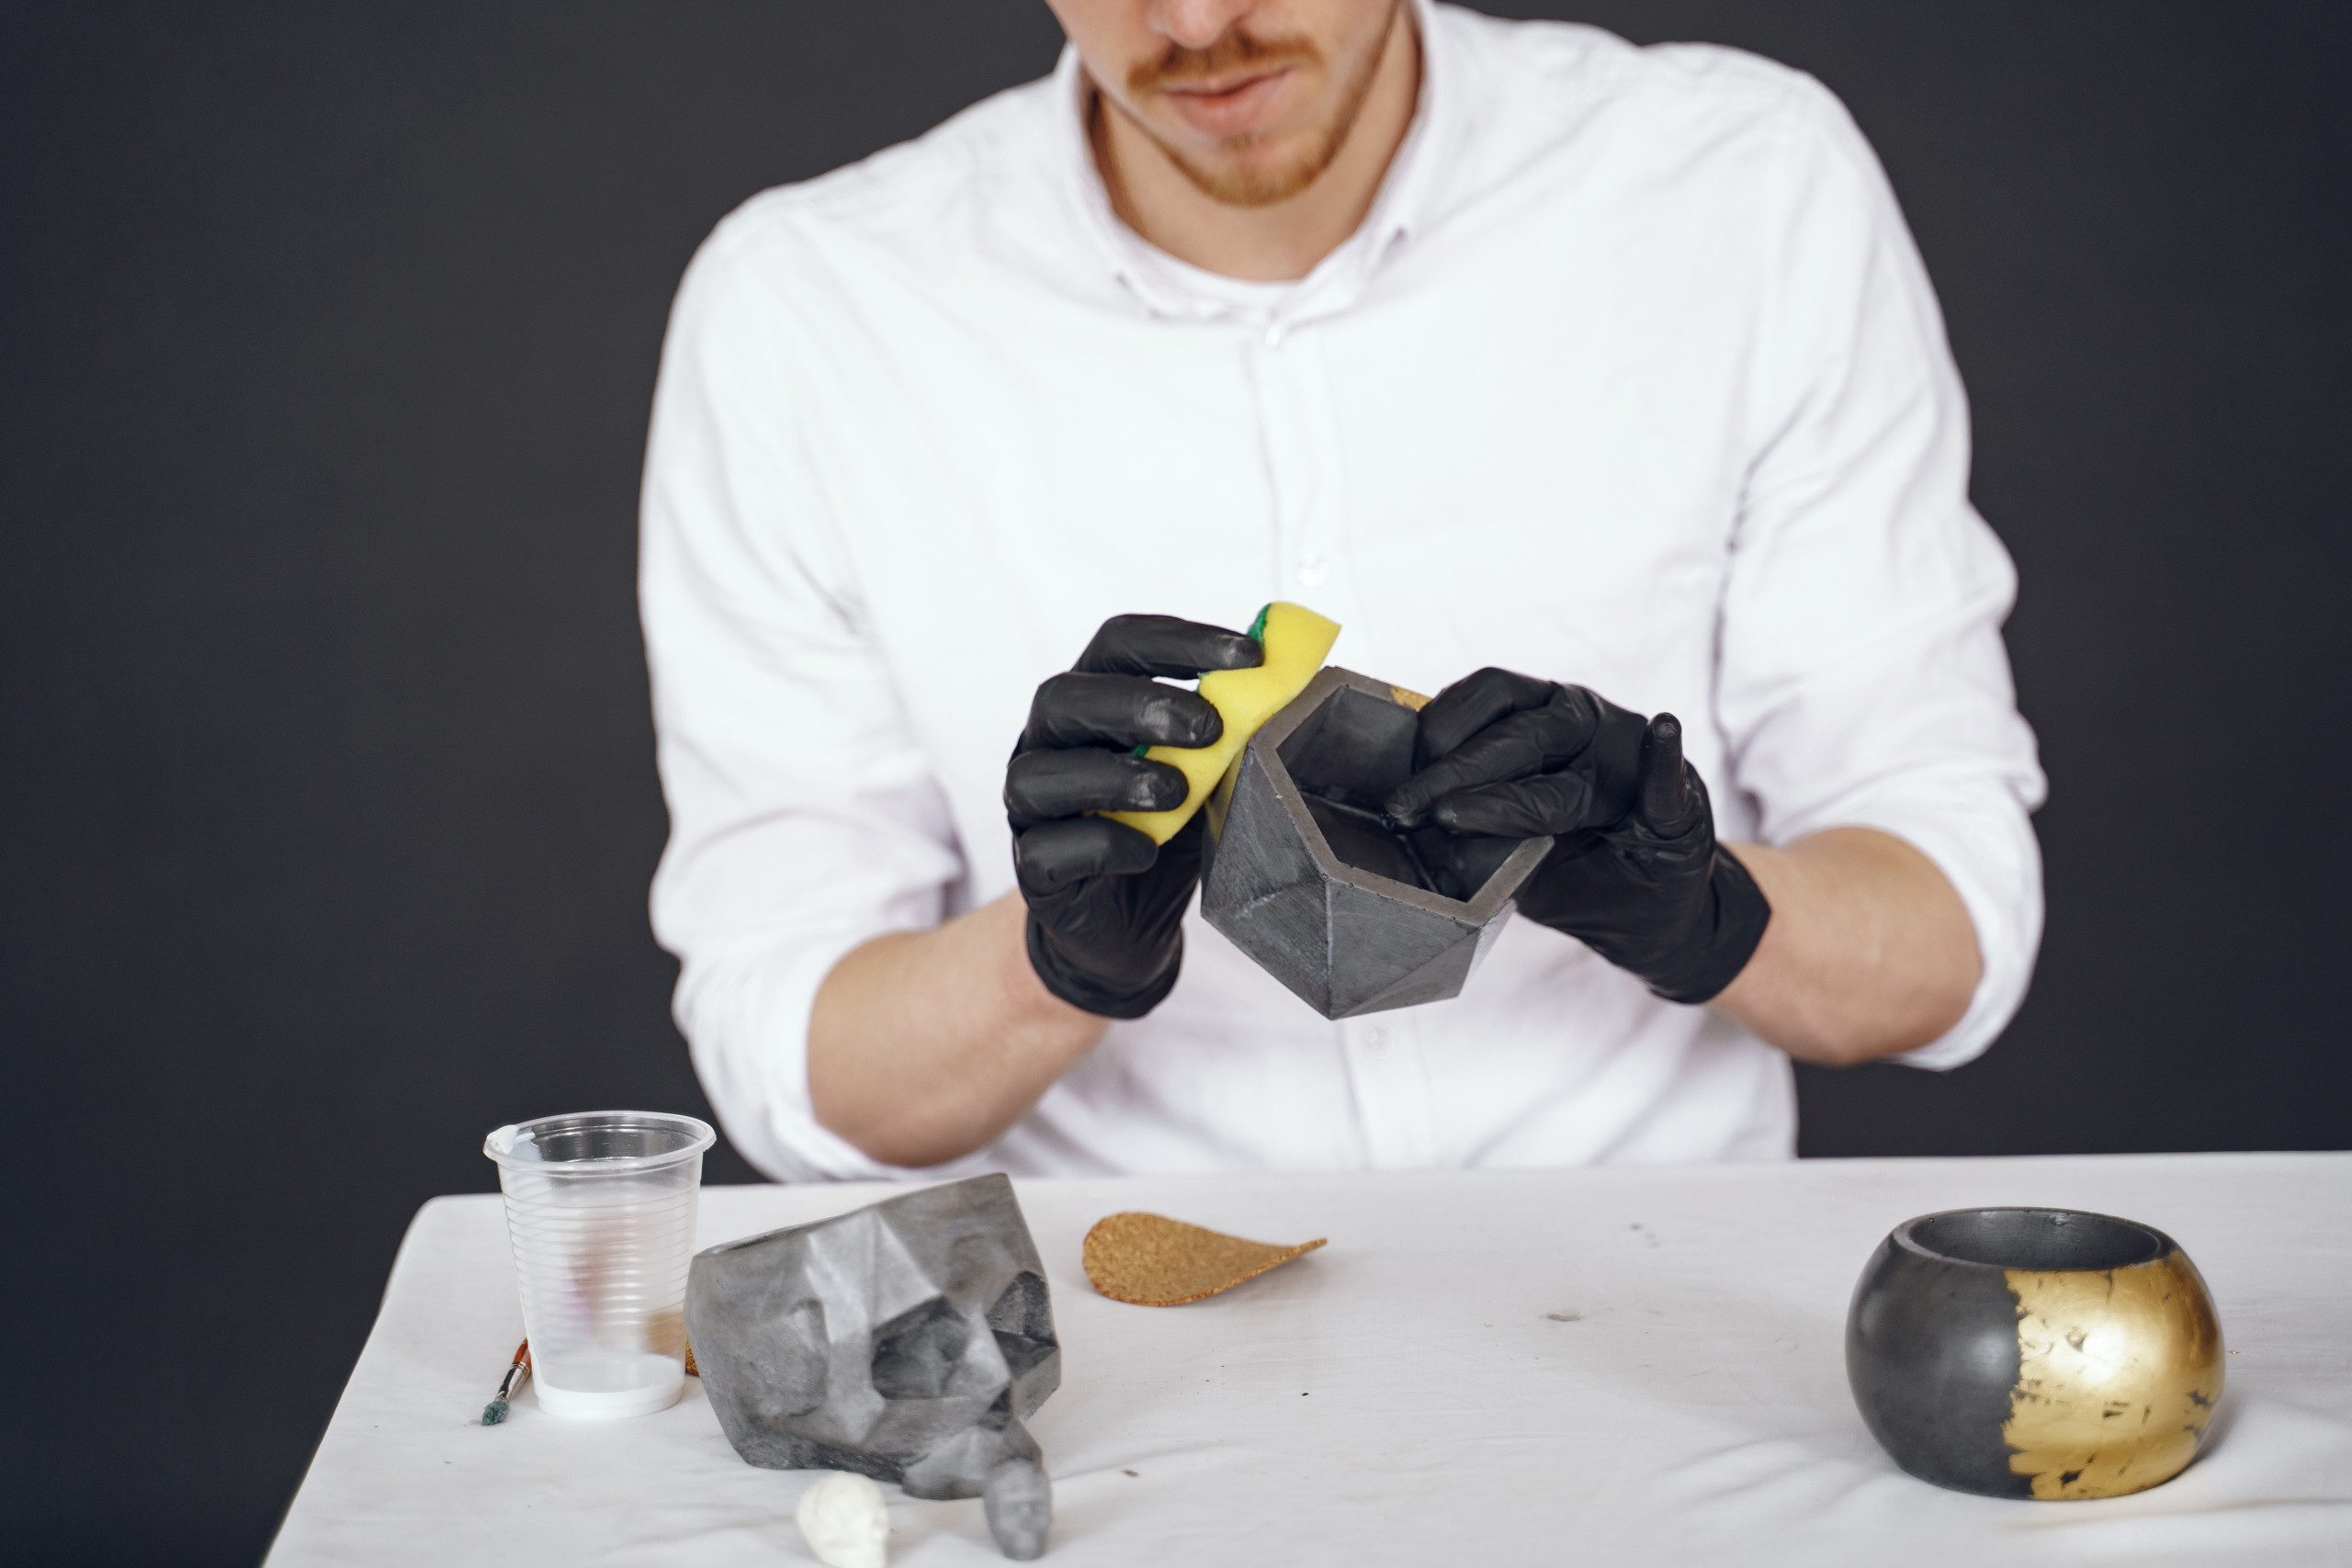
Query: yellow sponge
x,y
1296,640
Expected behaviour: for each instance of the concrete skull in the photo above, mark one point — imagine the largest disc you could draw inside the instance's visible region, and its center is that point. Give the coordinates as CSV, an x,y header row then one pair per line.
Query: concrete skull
x,y
908,1341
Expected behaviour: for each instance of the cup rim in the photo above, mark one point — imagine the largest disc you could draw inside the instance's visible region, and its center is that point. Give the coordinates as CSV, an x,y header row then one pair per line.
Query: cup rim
x,y
500,1143
1904,1237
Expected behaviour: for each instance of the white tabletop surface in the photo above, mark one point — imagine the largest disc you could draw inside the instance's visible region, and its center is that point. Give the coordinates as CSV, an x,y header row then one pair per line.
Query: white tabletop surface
x,y
1636,1366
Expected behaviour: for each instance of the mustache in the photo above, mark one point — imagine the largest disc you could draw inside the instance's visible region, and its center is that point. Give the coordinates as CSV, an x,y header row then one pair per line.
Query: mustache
x,y
1236,53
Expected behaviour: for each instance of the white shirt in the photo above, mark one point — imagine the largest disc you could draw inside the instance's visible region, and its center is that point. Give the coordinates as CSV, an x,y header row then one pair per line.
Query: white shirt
x,y
1632,378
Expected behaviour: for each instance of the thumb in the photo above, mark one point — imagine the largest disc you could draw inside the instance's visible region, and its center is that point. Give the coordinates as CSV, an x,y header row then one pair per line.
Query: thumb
x,y
1669,800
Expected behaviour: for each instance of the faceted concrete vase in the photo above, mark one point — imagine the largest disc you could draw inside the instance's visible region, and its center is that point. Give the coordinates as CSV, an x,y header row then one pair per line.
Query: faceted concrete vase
x,y
1301,876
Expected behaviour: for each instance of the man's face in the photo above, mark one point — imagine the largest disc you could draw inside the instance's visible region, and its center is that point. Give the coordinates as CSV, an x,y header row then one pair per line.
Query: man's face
x,y
1251,99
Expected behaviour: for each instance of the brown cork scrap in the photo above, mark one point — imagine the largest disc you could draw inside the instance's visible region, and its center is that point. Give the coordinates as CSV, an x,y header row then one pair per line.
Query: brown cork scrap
x,y
1152,1260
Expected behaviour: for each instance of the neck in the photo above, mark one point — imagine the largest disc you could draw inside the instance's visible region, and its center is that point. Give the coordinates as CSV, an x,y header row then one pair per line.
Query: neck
x,y
1283,239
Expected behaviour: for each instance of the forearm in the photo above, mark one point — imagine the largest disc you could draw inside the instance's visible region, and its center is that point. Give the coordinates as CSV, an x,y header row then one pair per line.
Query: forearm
x,y
1870,951
925,1045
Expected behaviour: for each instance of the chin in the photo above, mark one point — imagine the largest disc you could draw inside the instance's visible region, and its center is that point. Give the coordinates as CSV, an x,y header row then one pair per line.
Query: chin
x,y
1261,174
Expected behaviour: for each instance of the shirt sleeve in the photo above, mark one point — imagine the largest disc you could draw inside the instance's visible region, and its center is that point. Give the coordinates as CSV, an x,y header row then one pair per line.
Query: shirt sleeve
x,y
1862,681
804,819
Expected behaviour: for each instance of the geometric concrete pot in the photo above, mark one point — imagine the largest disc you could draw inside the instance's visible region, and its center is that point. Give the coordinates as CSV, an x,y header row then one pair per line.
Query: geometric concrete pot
x,y
1299,873
2034,1352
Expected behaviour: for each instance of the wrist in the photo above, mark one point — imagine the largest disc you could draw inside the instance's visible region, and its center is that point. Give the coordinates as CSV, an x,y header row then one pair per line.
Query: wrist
x,y
1025,1003
1728,925
1073,986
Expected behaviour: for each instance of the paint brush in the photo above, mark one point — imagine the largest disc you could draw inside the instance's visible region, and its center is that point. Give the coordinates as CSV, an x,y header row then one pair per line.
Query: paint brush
x,y
509,1386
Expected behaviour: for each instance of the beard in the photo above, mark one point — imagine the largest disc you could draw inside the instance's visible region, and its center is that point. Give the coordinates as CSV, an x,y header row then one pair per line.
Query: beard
x,y
1250,182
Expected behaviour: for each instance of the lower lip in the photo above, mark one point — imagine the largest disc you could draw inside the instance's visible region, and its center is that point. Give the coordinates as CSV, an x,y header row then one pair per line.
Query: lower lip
x,y
1235,113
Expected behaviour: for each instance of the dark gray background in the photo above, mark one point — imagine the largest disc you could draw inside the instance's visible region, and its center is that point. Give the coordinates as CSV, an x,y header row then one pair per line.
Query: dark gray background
x,y
326,334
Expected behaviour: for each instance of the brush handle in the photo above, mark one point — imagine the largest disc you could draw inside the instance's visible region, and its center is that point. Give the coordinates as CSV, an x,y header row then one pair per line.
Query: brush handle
x,y
518,1373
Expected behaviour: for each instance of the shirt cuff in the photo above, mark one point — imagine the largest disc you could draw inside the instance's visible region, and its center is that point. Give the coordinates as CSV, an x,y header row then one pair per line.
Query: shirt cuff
x,y
1987,850
750,1043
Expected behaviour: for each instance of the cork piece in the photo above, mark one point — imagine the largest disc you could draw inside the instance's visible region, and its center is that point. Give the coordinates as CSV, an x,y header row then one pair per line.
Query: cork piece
x,y
1152,1260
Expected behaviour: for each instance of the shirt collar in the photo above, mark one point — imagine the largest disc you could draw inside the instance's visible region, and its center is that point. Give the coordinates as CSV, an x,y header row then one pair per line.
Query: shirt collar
x,y
1167,286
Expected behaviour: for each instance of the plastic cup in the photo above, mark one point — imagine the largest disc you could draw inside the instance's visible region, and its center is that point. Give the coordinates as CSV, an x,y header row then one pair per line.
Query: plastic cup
x,y
600,1210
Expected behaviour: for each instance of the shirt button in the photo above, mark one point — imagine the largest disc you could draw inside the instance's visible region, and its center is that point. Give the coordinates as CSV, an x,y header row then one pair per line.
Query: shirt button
x,y
1274,336
1314,571
1375,1041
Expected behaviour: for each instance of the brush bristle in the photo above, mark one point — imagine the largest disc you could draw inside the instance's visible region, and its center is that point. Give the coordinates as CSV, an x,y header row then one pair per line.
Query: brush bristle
x,y
493,1413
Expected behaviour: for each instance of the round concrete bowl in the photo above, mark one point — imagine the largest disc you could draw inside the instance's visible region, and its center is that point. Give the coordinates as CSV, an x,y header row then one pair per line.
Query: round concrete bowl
x,y
1301,876
2034,1352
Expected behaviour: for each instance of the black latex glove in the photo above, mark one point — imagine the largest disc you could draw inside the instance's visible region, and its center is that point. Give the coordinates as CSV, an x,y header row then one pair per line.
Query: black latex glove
x,y
1106,904
1634,872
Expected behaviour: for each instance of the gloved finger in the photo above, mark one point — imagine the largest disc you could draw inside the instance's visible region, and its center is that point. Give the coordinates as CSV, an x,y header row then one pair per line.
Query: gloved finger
x,y
1516,748
1055,855
1042,785
1669,800
1530,809
1460,867
1180,857
1471,704
1122,711
1162,645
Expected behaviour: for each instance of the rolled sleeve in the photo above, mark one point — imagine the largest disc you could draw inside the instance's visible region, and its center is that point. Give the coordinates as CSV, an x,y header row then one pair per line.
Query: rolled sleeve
x,y
1863,681
804,819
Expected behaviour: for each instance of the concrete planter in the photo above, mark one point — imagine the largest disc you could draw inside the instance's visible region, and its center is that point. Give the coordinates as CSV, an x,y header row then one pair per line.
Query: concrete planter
x,y
1300,874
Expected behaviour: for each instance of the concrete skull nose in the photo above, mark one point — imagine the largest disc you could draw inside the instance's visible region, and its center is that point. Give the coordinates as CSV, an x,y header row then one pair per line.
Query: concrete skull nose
x,y
933,1350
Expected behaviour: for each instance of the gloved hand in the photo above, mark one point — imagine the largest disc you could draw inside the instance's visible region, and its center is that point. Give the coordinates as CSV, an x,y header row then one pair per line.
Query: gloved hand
x,y
1106,904
1636,873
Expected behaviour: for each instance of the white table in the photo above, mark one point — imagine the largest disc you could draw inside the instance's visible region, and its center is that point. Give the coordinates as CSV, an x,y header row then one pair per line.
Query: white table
x,y
1637,1366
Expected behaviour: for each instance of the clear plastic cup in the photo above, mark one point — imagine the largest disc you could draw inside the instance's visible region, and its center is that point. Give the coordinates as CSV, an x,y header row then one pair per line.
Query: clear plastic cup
x,y
600,1209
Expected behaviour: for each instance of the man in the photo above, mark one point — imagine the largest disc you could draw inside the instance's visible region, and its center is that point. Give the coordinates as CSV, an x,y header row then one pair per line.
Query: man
x,y
1599,386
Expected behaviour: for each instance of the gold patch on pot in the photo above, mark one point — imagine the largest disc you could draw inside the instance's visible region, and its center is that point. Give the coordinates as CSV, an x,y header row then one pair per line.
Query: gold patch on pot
x,y
2119,1372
